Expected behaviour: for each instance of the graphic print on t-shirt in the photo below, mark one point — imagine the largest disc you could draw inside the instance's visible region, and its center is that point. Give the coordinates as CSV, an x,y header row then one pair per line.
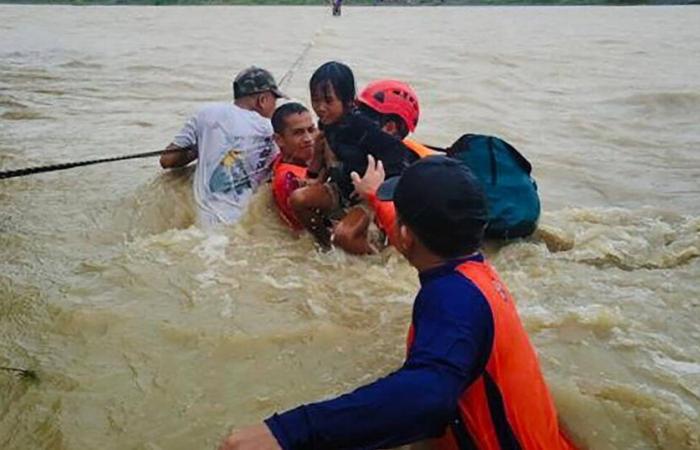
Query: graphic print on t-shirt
x,y
230,174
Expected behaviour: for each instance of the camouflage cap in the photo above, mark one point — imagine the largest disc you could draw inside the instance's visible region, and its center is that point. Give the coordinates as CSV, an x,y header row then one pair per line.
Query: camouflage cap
x,y
255,80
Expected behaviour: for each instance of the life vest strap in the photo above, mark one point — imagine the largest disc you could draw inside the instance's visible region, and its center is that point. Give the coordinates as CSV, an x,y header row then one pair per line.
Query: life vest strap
x,y
419,149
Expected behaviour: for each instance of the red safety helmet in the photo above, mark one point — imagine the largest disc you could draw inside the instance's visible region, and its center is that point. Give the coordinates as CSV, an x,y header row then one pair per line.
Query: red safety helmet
x,y
392,97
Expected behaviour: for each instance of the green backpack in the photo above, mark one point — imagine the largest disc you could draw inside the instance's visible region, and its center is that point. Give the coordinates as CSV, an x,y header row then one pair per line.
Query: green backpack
x,y
511,192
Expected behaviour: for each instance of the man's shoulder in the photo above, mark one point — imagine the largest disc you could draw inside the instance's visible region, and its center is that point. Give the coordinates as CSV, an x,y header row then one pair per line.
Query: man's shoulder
x,y
210,113
452,281
455,292
235,119
215,109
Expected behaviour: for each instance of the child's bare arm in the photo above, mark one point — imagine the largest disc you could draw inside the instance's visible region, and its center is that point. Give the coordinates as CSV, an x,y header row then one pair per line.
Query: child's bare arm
x,y
318,166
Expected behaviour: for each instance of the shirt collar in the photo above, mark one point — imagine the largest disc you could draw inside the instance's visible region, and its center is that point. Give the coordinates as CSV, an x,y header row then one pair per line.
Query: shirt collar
x,y
448,267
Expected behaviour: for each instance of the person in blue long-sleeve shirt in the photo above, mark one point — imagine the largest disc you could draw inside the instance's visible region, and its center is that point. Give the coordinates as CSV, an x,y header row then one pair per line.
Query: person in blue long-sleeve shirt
x,y
453,335
441,216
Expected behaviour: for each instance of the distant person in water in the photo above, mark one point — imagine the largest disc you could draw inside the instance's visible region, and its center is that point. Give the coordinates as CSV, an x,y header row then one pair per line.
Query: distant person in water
x,y
336,5
233,145
295,134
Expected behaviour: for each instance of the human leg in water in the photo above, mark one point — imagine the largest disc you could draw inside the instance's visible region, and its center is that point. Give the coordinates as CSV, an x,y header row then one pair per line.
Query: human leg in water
x,y
311,205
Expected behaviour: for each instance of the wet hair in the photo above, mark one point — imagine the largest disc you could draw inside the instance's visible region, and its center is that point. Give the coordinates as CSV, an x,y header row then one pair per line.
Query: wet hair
x,y
382,119
279,117
336,76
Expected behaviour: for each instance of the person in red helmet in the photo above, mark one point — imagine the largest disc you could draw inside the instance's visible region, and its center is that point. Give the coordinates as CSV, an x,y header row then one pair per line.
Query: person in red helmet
x,y
394,106
394,103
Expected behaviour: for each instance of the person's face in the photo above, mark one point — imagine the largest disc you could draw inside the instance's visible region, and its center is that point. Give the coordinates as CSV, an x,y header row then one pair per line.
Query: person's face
x,y
326,104
297,140
266,103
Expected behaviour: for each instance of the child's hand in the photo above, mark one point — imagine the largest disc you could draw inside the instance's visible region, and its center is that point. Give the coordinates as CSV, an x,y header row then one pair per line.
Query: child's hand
x,y
371,180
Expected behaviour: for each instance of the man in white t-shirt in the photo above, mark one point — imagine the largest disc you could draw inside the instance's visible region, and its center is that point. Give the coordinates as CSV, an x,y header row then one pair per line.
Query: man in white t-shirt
x,y
234,147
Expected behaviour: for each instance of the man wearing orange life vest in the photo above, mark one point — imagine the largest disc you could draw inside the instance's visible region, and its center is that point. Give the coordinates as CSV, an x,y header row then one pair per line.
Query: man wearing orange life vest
x,y
295,133
471,378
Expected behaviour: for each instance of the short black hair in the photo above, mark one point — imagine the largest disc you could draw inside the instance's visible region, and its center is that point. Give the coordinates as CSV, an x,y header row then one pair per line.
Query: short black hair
x,y
279,117
451,243
442,202
337,76
382,119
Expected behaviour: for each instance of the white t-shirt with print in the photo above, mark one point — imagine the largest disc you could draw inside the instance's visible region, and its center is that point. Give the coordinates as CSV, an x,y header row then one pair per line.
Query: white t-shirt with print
x,y
235,155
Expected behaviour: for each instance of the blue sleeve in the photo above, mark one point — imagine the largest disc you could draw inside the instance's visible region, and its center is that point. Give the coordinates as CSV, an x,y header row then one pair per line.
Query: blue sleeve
x,y
454,335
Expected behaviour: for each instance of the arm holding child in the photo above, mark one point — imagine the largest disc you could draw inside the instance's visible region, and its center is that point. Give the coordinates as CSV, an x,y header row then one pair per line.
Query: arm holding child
x,y
366,187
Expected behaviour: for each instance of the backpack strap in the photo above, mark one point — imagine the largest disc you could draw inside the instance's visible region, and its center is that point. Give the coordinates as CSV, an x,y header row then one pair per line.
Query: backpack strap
x,y
421,150
437,149
461,144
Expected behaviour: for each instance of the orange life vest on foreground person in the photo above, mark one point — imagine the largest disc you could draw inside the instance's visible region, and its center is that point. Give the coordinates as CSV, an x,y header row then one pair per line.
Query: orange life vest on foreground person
x,y
285,179
509,405
470,372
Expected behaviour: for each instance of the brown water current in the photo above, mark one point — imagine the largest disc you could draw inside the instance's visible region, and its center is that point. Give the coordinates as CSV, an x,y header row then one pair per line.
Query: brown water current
x,y
148,333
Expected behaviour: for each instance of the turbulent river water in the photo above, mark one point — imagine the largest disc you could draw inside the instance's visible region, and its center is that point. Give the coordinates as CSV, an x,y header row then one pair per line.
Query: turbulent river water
x,y
149,333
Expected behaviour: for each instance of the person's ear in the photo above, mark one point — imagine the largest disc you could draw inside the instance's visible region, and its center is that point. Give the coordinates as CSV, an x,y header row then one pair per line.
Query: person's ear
x,y
262,100
278,139
406,239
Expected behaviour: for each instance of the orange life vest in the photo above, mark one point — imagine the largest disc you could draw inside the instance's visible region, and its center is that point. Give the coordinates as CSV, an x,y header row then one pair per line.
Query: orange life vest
x,y
509,405
419,149
385,214
285,178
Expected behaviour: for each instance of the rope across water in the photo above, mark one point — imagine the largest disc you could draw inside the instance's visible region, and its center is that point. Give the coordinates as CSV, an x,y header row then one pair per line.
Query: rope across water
x,y
297,62
62,166
286,78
